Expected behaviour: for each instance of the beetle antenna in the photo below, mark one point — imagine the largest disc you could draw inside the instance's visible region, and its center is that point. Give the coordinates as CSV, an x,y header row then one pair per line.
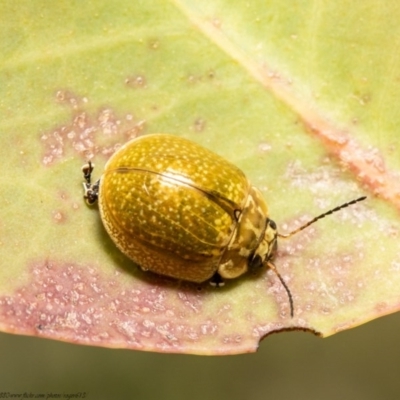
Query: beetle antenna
x,y
333,210
273,268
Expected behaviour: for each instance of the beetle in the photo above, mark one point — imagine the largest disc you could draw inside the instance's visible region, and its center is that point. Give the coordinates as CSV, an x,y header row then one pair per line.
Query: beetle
x,y
180,210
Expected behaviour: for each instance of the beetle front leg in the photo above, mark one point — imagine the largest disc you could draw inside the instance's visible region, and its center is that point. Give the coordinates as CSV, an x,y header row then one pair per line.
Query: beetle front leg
x,y
87,170
217,280
91,190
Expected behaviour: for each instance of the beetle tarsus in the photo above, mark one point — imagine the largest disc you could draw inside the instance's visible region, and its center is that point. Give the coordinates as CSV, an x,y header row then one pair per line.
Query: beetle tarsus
x,y
91,190
216,280
87,170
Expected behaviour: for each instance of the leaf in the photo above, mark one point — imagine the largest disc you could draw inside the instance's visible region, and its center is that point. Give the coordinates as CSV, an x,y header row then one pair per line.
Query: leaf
x,y
303,99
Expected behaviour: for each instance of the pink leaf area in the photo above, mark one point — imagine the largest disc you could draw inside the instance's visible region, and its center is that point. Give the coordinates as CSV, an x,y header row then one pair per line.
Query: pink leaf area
x,y
310,119
78,304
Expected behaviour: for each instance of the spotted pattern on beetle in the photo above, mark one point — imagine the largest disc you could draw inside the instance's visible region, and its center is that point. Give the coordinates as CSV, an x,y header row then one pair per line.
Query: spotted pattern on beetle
x,y
170,205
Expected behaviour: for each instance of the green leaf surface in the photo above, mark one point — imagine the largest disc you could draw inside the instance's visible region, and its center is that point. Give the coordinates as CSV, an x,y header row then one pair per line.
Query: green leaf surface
x,y
302,97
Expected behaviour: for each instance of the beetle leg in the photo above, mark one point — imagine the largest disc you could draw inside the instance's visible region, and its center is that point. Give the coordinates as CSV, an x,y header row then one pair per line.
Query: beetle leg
x,y
216,280
91,192
236,214
87,170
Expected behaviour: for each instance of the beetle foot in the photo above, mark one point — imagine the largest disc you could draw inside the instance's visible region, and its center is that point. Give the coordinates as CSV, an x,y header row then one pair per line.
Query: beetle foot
x,y
91,192
87,170
216,280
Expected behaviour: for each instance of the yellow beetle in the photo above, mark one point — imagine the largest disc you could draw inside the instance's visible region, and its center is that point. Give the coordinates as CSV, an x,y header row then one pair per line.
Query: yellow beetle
x,y
180,210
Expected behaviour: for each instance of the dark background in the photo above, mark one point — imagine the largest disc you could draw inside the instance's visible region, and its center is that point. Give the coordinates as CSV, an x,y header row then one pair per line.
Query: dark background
x,y
362,363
